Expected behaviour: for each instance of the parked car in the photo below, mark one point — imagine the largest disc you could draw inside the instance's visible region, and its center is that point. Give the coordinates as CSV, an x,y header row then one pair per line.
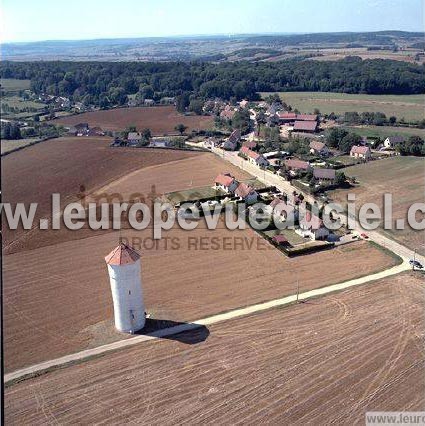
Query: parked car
x,y
365,236
416,264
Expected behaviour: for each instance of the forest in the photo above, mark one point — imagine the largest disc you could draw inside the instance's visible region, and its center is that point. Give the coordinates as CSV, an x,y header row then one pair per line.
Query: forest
x,y
108,83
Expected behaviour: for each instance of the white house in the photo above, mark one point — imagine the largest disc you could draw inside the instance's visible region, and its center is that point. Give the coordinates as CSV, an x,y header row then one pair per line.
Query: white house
x,y
362,152
160,142
254,157
231,143
393,141
312,226
226,182
134,138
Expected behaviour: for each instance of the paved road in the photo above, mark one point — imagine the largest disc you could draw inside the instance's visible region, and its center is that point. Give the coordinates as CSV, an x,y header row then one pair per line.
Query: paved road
x,y
269,179
214,319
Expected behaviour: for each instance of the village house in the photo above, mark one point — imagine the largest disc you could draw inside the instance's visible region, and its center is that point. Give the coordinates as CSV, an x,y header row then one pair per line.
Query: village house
x,y
167,100
312,226
281,240
148,102
95,131
319,148
244,103
393,141
228,112
81,129
134,138
246,193
231,143
160,143
305,126
326,176
362,152
226,182
254,157
294,166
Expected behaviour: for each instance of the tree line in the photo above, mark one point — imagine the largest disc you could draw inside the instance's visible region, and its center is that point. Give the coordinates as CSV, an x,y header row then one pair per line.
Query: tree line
x,y
109,83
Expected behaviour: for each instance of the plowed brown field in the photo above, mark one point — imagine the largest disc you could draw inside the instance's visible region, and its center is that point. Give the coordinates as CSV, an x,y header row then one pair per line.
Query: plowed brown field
x,y
57,298
160,120
325,361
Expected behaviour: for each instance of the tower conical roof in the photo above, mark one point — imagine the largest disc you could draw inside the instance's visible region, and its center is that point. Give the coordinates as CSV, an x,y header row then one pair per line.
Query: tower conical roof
x,y
122,255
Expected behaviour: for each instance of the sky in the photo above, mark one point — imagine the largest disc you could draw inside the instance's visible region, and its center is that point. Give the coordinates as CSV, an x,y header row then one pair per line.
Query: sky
x,y
35,20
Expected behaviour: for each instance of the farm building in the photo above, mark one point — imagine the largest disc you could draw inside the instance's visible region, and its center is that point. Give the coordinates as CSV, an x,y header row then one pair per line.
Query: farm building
x,y
324,175
393,141
305,126
95,131
319,148
254,157
160,142
231,143
297,165
134,138
312,226
226,182
362,152
81,129
246,193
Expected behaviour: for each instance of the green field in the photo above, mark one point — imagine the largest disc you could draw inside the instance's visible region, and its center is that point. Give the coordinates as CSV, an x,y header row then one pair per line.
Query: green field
x,y
10,145
411,107
14,85
403,177
384,131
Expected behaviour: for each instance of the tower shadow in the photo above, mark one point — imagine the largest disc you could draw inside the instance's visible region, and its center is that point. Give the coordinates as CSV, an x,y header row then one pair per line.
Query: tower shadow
x,y
184,332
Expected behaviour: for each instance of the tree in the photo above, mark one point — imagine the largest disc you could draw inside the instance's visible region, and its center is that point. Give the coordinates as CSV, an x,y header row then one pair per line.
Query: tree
x,y
180,128
196,106
182,102
340,178
146,133
335,135
242,121
392,120
349,141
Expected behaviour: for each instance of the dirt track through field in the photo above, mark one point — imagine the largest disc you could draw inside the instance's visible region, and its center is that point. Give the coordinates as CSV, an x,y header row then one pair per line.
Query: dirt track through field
x,y
325,361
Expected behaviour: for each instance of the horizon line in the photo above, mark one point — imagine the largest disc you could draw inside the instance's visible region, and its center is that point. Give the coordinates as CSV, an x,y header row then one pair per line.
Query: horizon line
x,y
229,35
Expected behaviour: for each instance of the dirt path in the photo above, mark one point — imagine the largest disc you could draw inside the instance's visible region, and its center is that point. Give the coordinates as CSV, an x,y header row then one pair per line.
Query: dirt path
x,y
237,313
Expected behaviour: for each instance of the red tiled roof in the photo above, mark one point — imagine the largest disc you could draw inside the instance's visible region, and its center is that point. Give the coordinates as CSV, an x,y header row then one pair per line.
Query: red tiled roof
x,y
317,146
309,126
297,164
122,255
287,115
224,179
244,190
246,151
280,239
307,117
360,149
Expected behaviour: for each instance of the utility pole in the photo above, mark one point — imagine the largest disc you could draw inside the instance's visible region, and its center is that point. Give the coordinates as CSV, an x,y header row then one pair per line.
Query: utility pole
x,y
298,289
414,259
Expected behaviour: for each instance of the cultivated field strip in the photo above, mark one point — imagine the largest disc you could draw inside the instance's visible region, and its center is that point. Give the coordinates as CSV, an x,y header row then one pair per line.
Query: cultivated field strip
x,y
51,308
160,120
324,361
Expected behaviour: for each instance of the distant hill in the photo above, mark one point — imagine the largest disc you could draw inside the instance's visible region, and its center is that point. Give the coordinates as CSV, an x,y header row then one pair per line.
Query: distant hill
x,y
208,48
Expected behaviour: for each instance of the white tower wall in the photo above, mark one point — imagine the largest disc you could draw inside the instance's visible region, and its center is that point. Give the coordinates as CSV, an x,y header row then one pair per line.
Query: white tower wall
x,y
127,295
